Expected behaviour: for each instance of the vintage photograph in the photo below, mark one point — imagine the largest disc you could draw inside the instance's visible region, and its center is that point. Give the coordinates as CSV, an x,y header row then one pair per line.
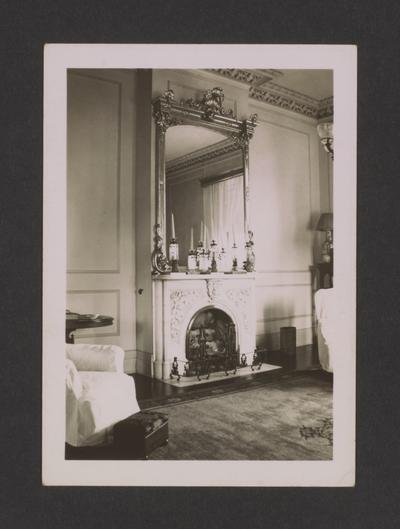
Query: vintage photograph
x,y
201,316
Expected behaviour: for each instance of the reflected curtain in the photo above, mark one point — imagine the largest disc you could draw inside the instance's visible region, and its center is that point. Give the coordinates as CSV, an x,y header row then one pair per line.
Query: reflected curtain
x,y
223,211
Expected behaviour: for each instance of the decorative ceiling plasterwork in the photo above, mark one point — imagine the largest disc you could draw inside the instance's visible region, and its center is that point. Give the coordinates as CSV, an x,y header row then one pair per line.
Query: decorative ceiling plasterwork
x,y
251,77
282,101
261,88
325,108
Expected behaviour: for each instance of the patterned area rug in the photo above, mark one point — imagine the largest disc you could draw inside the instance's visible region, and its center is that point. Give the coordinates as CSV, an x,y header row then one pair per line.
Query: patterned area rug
x,y
263,422
324,430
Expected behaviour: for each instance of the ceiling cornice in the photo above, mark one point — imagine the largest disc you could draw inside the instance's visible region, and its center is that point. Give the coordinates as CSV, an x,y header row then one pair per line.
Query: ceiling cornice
x,y
200,156
325,108
262,88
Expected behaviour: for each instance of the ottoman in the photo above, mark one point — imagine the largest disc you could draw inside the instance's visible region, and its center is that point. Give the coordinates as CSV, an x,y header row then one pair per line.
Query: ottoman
x,y
139,434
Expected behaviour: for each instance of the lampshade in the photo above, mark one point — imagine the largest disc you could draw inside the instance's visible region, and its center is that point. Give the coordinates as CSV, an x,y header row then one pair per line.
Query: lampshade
x,y
325,130
325,222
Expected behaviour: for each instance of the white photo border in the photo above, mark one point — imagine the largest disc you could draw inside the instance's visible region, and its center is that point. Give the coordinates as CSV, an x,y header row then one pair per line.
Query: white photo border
x,y
340,471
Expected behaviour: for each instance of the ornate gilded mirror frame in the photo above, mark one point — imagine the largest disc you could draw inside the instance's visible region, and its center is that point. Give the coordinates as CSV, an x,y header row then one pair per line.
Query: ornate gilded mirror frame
x,y
207,112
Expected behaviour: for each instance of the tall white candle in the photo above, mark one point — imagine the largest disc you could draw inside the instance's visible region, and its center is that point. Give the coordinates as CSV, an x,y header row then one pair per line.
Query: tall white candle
x,y
191,238
233,234
201,231
205,236
172,226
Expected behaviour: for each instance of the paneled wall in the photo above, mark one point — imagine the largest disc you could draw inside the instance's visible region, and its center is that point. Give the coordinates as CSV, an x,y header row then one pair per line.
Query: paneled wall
x,y
144,146
100,204
111,170
285,202
288,190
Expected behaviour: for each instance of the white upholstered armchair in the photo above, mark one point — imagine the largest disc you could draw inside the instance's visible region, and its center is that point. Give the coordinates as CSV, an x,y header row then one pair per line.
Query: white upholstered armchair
x,y
98,393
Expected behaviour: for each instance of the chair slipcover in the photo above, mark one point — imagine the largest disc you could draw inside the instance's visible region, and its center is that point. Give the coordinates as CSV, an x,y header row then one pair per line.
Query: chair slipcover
x,y
325,310
98,393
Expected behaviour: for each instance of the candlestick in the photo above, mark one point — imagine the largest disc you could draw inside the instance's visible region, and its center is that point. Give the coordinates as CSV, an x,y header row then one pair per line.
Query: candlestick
x,y
172,226
191,238
203,261
192,260
174,254
222,260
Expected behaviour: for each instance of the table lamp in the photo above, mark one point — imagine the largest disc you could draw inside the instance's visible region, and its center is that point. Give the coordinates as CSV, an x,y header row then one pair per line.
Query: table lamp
x,y
325,224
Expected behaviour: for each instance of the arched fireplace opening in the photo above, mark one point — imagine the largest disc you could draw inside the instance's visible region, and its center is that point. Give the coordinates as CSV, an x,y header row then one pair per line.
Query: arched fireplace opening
x,y
211,343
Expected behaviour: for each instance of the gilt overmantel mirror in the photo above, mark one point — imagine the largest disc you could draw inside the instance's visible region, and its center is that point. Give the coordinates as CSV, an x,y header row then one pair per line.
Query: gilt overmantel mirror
x,y
202,183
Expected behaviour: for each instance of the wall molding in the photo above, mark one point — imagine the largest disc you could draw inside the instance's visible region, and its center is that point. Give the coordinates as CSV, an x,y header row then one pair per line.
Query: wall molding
x,y
118,173
262,119
268,285
301,271
117,320
282,318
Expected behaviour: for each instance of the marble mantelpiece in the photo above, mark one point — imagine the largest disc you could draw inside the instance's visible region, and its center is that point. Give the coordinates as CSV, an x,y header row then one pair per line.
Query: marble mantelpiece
x,y
178,297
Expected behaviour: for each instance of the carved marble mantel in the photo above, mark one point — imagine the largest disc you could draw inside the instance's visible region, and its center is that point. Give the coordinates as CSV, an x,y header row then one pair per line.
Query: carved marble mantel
x,y
178,297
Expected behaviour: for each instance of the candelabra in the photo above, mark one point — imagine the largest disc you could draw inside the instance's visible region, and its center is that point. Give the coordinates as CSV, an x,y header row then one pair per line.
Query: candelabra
x,y
213,246
234,258
199,250
250,256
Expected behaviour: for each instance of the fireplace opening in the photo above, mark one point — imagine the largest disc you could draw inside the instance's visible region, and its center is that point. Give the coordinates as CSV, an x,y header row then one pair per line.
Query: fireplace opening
x,y
211,343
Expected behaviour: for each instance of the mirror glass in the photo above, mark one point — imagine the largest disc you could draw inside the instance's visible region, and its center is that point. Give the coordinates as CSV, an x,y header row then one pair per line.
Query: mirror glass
x,y
204,188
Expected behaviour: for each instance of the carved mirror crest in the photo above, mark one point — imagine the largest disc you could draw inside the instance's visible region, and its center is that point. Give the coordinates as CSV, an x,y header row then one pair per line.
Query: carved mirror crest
x,y
202,134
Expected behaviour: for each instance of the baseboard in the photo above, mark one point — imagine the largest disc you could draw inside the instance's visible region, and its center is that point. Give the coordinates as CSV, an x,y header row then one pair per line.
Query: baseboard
x,y
305,358
130,361
144,363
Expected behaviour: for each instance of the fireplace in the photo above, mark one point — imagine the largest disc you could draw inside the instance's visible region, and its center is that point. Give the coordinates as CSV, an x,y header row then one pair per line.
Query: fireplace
x,y
214,311
213,328
211,343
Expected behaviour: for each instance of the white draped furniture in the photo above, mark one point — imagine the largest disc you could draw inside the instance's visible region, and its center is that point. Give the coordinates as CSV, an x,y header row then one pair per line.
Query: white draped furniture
x,y
325,310
98,393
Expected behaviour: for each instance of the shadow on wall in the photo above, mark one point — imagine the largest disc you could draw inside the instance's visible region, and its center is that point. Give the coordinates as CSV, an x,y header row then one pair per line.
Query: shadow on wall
x,y
317,237
275,316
